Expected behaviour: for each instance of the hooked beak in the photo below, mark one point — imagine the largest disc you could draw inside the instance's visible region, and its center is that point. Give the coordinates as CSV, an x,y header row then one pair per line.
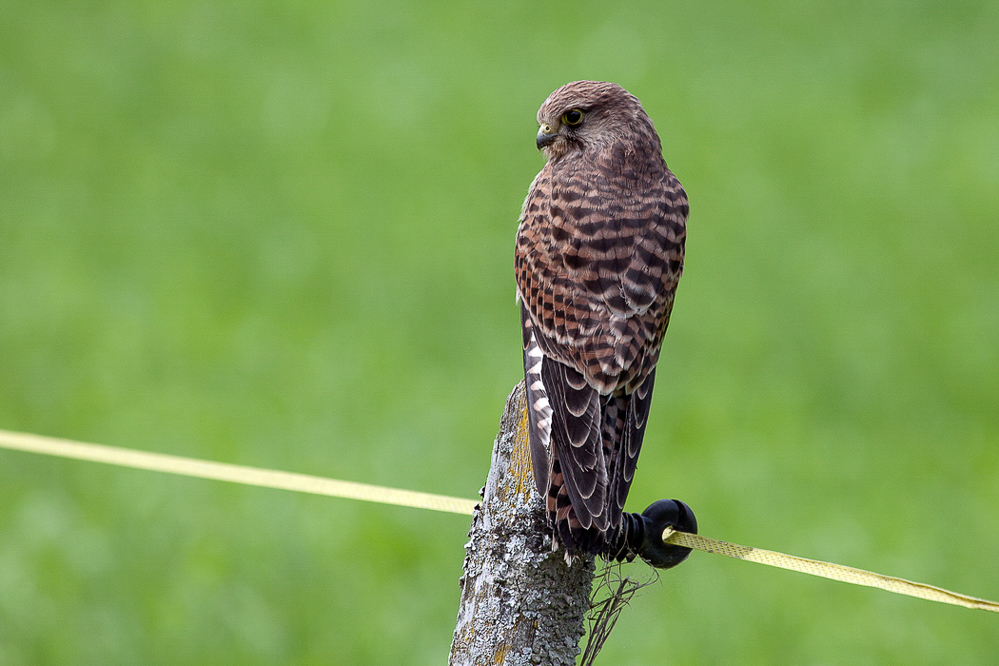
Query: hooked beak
x,y
546,134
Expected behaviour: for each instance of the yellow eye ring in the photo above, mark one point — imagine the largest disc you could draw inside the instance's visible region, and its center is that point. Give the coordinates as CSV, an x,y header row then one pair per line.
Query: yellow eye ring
x,y
572,117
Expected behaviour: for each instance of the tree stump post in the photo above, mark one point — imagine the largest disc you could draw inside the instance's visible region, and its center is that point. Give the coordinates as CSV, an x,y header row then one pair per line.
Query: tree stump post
x,y
520,602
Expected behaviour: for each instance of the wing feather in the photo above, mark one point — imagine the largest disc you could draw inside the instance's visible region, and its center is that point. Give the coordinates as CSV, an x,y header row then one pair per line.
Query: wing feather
x,y
576,443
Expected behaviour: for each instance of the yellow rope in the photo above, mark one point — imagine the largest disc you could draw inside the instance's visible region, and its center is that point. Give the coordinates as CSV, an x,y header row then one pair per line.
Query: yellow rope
x,y
827,570
252,476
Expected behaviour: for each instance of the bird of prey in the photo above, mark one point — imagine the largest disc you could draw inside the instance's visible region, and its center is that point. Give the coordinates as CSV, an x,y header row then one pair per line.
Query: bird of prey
x,y
598,257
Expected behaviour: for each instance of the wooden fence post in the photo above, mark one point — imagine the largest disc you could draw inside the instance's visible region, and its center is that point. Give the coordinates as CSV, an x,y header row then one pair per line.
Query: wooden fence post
x,y
520,602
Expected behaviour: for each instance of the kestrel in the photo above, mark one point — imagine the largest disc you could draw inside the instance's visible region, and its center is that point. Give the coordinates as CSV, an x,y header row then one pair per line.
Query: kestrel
x,y
599,254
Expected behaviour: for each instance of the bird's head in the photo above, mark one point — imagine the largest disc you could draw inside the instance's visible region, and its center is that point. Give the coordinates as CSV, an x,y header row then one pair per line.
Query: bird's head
x,y
584,115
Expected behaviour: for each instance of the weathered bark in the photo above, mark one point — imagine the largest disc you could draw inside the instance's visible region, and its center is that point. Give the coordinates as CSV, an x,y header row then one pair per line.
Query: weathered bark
x,y
520,602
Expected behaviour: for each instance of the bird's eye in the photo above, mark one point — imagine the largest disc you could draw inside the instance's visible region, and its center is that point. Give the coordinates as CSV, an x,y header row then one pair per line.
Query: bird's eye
x,y
572,117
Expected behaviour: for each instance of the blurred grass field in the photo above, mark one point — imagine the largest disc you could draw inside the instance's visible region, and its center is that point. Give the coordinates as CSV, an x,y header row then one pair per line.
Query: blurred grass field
x,y
281,234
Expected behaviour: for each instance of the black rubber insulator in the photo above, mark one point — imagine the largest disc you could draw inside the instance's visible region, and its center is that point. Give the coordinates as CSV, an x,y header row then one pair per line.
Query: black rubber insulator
x,y
654,521
641,534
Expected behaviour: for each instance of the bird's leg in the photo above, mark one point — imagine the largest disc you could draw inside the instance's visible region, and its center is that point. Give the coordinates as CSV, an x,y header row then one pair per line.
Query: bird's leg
x,y
641,534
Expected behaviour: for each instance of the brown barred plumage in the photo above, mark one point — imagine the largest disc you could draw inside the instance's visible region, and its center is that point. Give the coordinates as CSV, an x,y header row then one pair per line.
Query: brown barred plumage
x,y
599,253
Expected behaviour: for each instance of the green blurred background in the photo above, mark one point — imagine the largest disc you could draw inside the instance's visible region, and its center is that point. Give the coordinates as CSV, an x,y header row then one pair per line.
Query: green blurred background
x,y
281,234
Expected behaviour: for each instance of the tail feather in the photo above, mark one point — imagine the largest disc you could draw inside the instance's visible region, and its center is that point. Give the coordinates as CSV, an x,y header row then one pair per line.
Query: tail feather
x,y
584,448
